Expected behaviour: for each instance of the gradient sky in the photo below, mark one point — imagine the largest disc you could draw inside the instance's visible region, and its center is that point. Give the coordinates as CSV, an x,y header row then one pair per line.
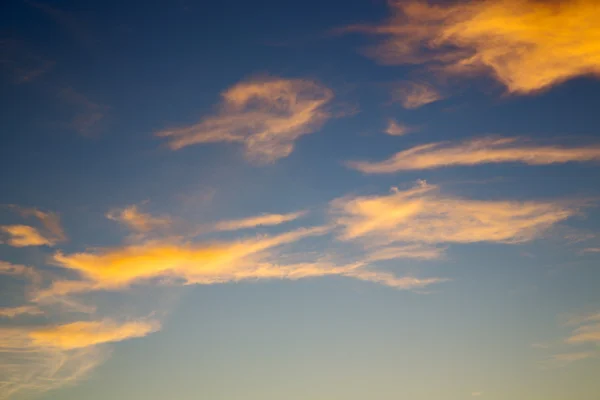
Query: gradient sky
x,y
300,200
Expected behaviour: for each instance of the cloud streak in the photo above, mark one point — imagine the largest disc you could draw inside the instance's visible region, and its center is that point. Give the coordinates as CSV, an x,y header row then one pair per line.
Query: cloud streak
x,y
585,334
424,215
136,220
193,263
414,95
261,220
267,115
475,152
80,334
526,45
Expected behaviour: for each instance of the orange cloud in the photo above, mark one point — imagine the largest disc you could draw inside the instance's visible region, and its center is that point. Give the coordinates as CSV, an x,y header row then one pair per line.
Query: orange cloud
x,y
24,235
423,215
211,263
261,220
89,333
10,269
527,45
585,334
396,129
414,95
38,359
120,267
477,151
267,115
50,221
11,312
137,220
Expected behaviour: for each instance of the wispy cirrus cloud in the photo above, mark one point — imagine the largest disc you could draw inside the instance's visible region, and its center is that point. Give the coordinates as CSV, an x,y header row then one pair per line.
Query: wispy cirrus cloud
x,y
267,115
413,95
392,280
585,334
88,114
12,312
25,272
81,334
20,63
24,235
396,129
526,45
199,263
138,221
41,358
424,215
20,235
260,220
591,250
564,359
475,152
407,251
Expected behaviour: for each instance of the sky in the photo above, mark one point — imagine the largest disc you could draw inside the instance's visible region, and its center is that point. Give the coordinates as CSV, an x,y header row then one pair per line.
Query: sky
x,y
300,200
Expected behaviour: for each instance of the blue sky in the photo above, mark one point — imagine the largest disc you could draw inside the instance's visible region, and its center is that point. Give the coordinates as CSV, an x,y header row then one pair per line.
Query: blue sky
x,y
359,199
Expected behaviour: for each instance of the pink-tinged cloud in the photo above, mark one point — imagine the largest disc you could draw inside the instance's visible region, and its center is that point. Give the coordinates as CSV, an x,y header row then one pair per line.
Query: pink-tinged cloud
x,y
136,220
475,152
413,95
396,129
256,221
266,115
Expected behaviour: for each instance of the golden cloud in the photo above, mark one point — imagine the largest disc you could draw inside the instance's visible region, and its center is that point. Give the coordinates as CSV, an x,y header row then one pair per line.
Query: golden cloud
x,y
37,359
50,221
89,333
120,267
423,215
527,45
267,115
477,151
220,262
25,235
